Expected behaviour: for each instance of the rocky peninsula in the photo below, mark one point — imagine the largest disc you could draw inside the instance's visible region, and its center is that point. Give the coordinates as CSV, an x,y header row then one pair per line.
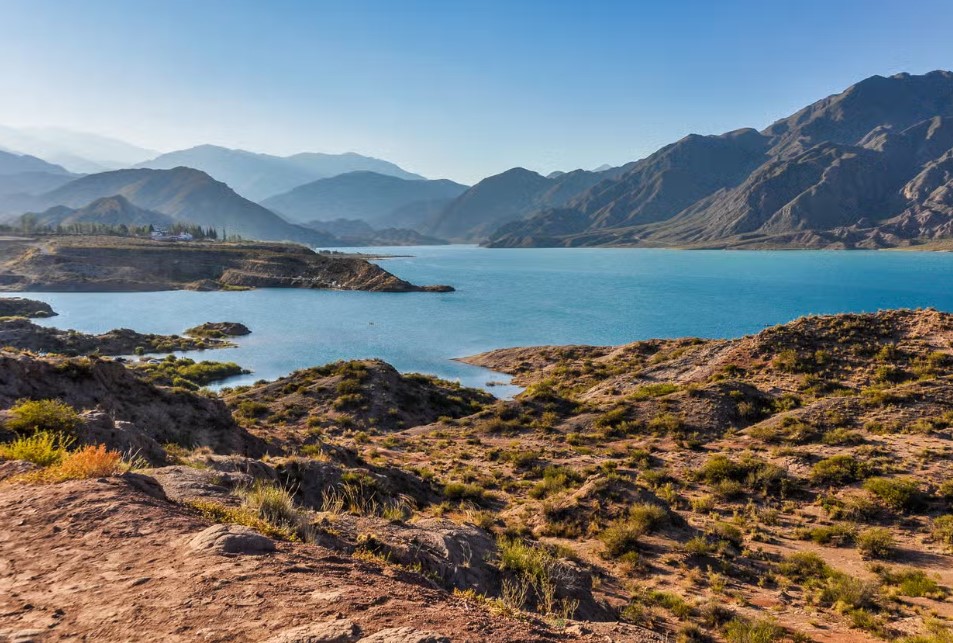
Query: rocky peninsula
x,y
21,307
22,334
61,263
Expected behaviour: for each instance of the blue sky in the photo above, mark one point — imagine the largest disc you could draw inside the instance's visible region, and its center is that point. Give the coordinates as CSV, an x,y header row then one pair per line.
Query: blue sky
x,y
449,89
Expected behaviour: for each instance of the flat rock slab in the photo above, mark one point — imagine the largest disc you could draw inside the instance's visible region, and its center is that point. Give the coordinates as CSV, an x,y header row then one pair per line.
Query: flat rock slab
x,y
231,539
404,635
340,631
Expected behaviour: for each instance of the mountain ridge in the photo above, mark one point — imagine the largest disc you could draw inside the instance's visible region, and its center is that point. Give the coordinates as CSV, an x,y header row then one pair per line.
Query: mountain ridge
x,y
186,195
867,167
257,176
370,196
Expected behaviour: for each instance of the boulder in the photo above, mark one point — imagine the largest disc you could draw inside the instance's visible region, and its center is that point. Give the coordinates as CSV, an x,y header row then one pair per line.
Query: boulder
x,y
340,631
404,635
125,437
231,539
183,482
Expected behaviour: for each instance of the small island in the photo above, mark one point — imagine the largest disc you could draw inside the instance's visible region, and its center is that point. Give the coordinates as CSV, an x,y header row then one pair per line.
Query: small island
x,y
64,263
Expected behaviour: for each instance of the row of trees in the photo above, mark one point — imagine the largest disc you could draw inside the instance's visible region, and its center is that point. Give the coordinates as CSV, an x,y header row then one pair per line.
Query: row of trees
x,y
28,224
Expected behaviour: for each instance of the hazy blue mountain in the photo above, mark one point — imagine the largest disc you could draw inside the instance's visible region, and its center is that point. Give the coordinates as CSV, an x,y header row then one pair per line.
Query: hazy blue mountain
x,y
259,176
185,194
356,232
871,166
328,165
23,175
16,190
79,152
12,163
375,198
506,197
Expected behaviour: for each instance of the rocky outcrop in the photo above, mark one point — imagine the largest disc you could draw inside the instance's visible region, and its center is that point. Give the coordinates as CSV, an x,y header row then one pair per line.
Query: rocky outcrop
x,y
219,329
367,394
21,307
139,413
100,264
25,335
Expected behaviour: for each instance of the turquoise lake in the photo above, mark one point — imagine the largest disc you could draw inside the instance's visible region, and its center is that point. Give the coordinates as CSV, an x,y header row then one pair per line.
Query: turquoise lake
x,y
520,297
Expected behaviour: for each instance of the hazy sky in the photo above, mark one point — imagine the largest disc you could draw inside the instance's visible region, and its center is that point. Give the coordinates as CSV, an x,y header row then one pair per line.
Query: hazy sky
x,y
445,88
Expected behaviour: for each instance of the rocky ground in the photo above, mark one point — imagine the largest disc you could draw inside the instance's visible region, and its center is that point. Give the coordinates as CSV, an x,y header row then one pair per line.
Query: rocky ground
x,y
98,264
790,485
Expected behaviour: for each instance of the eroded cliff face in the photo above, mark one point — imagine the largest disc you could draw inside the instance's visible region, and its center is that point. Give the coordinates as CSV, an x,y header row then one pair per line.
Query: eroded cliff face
x,y
136,413
113,264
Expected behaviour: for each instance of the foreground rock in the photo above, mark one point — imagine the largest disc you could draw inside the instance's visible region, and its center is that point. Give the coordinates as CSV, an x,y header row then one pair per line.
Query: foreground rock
x,y
21,307
25,335
113,572
118,264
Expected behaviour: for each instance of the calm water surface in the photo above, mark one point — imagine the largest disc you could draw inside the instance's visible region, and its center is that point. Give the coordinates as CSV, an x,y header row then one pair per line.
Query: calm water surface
x,y
525,297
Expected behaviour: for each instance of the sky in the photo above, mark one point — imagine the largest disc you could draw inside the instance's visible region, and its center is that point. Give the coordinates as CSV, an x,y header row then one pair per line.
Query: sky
x,y
452,89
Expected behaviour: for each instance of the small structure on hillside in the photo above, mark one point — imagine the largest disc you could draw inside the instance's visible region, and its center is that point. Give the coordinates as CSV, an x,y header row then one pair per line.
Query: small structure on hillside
x,y
160,234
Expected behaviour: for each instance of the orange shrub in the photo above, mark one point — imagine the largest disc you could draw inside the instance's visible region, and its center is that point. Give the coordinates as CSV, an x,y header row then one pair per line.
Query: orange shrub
x,y
88,462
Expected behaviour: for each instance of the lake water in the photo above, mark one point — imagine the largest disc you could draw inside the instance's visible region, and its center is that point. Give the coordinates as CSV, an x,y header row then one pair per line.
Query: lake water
x,y
518,297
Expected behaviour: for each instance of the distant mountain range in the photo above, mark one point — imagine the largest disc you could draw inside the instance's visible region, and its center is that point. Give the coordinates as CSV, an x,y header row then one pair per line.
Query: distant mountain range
x,y
507,197
184,194
869,167
356,232
370,196
78,152
259,176
22,174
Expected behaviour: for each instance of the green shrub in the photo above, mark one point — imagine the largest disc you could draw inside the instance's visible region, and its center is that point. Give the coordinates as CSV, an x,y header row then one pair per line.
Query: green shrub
x,y
876,542
842,437
901,494
666,423
29,416
804,566
647,516
739,630
755,474
621,537
837,535
910,582
43,448
839,470
943,531
463,491
847,592
653,390
790,430
555,480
